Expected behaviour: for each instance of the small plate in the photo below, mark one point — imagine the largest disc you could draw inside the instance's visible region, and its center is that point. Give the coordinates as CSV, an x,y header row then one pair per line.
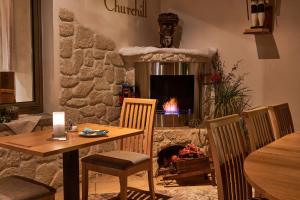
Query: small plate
x,y
98,133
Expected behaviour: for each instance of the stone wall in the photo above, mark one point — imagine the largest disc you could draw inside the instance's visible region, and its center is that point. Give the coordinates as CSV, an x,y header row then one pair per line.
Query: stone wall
x,y
91,77
91,73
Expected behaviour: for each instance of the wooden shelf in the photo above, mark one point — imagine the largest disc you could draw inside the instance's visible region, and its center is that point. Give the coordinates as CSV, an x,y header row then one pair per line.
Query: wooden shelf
x,y
257,31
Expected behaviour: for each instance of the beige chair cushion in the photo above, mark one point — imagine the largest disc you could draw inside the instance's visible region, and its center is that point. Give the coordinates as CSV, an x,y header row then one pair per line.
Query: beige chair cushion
x,y
20,188
116,159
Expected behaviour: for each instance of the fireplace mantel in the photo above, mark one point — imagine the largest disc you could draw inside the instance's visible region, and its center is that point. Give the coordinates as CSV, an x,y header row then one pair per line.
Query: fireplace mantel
x,y
154,54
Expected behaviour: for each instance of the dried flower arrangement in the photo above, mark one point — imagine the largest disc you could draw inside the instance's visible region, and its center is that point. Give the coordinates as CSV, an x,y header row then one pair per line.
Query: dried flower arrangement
x,y
230,95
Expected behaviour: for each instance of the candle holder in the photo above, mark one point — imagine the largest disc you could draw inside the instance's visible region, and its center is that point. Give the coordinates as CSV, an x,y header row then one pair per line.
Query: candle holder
x,y
59,132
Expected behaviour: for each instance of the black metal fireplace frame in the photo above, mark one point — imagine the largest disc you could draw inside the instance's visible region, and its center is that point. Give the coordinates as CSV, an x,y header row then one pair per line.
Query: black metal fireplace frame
x,y
143,72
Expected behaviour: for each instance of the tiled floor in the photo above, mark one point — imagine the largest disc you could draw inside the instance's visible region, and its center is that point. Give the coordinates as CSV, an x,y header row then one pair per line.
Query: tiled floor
x,y
108,186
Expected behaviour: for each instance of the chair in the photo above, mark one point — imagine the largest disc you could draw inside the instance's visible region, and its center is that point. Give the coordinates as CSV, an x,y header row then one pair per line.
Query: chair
x,y
136,152
227,143
281,119
21,188
259,127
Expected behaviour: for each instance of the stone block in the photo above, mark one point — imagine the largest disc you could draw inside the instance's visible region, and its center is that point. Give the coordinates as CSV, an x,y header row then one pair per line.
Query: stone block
x,y
109,75
66,29
84,152
120,75
87,111
98,54
77,59
9,171
95,98
100,110
66,15
88,58
84,37
3,152
66,47
113,58
104,43
101,84
13,159
28,168
25,156
83,89
92,119
72,114
86,73
112,113
67,68
68,81
107,99
99,69
57,180
66,95
77,103
46,172
116,89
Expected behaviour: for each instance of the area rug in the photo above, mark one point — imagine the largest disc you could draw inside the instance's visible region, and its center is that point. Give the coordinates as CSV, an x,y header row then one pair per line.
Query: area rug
x,y
207,193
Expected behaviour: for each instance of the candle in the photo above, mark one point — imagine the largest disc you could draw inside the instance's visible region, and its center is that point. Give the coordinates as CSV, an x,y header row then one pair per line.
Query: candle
x,y
58,124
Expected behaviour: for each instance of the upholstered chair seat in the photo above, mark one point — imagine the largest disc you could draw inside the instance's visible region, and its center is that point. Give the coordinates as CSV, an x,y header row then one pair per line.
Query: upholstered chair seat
x,y
21,188
116,159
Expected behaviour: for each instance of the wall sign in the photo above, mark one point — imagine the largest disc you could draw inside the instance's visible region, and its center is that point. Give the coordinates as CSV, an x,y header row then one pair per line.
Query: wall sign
x,y
139,9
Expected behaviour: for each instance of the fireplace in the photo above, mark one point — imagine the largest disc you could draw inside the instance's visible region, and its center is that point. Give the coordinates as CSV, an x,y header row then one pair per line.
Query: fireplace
x,y
176,86
175,93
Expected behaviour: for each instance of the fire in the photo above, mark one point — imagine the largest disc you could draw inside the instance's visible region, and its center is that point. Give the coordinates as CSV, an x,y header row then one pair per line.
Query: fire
x,y
171,107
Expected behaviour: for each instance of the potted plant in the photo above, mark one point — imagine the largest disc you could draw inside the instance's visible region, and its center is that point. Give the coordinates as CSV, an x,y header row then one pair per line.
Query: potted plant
x,y
230,96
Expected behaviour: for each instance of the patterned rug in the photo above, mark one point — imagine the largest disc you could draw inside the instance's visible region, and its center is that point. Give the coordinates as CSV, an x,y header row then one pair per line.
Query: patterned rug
x,y
207,193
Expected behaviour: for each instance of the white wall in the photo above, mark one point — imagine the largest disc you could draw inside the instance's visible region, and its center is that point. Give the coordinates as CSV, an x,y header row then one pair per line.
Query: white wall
x,y
271,60
123,29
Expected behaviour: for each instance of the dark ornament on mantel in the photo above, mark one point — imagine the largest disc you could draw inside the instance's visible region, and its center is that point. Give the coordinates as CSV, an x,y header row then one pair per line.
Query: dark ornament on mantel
x,y
167,28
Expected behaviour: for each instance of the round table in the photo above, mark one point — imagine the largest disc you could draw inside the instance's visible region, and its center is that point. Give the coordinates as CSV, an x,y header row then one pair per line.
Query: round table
x,y
274,170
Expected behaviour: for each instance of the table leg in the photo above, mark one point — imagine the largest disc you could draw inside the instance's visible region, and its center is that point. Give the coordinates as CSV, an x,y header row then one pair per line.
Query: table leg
x,y
71,175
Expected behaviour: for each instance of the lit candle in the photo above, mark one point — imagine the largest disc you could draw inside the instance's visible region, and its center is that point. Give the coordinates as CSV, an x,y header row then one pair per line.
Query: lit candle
x,y
58,124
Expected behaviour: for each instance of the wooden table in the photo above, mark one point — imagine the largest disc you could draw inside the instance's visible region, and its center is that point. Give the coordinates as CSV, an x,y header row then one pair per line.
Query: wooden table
x,y
275,169
38,143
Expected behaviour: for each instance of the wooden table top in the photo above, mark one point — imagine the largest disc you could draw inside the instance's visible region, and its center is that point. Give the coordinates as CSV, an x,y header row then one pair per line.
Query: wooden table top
x,y
275,169
39,143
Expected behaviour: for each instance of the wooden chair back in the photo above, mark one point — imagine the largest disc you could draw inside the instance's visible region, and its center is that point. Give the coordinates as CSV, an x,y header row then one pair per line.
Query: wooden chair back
x,y
140,114
259,127
281,119
227,142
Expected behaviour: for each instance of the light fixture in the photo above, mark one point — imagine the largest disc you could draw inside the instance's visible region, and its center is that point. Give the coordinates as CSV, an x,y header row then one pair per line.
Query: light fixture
x,y
59,126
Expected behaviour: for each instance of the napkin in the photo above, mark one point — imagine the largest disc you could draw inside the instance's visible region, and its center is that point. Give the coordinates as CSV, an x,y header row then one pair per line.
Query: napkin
x,y
89,131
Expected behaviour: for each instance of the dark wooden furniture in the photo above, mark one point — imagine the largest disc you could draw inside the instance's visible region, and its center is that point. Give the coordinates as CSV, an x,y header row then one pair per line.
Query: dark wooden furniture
x,y
281,119
274,169
39,143
7,87
227,143
259,127
136,152
187,168
21,188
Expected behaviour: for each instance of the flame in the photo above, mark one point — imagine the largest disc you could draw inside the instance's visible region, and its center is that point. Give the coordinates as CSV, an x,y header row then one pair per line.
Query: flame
x,y
171,107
